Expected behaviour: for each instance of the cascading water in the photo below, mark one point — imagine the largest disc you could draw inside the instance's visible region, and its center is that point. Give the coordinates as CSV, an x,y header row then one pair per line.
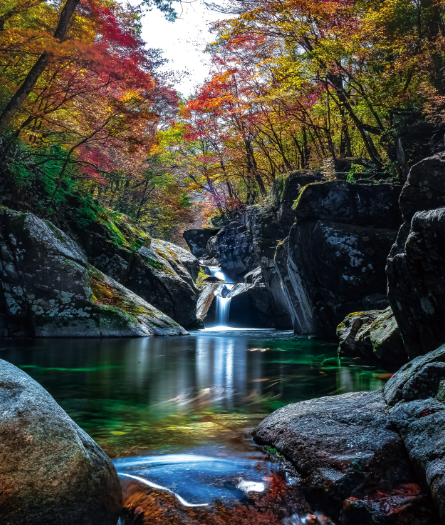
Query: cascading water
x,y
222,303
222,310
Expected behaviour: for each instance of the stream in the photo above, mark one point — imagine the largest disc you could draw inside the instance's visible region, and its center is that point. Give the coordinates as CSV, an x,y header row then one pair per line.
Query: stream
x,y
174,413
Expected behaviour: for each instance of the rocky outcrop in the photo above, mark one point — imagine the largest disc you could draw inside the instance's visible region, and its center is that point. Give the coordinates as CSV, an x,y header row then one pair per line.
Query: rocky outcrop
x,y
206,304
351,460
197,240
337,252
285,191
416,397
160,272
416,279
48,289
371,334
371,457
51,471
233,248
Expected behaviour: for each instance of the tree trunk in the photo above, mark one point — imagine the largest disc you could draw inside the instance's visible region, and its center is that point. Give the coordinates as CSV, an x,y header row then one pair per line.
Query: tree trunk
x,y
38,68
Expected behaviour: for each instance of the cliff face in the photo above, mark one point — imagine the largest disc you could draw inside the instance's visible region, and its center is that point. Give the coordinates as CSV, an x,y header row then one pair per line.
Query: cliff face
x,y
415,266
337,251
321,247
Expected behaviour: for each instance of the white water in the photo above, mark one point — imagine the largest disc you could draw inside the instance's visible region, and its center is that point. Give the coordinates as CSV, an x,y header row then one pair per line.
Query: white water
x,y
222,303
222,311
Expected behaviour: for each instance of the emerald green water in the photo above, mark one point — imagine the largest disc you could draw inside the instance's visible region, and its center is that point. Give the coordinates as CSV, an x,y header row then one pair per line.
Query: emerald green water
x,y
166,395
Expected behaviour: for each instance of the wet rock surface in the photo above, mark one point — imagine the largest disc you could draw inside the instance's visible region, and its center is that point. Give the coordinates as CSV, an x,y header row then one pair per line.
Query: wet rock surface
x,y
416,284
51,471
335,268
49,290
351,460
416,395
337,252
232,247
372,333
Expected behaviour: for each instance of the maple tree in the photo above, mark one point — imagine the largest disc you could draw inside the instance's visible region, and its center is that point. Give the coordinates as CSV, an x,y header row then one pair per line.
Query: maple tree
x,y
294,85
303,84
90,121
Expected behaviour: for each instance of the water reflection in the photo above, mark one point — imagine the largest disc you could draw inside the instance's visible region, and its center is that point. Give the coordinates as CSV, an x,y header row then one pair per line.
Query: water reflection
x,y
158,393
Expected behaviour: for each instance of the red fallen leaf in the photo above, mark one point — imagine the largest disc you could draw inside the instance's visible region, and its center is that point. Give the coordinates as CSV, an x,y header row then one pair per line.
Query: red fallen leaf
x,y
383,376
426,412
384,326
352,497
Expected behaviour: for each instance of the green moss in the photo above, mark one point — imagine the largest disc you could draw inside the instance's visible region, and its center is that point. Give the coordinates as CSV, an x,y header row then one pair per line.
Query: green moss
x,y
123,232
109,297
201,279
297,201
57,233
158,265
273,451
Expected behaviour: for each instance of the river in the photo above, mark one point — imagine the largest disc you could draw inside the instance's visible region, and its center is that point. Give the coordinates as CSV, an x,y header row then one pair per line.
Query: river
x,y
174,413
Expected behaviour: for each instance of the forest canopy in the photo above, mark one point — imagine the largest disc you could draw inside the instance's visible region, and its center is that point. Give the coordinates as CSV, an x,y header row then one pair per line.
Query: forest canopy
x,y
88,117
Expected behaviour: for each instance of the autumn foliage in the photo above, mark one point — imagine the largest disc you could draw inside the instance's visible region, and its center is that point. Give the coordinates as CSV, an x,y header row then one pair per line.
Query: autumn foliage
x,y
294,85
305,84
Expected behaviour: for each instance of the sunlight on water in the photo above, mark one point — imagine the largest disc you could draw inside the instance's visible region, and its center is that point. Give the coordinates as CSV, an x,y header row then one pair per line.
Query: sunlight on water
x,y
175,413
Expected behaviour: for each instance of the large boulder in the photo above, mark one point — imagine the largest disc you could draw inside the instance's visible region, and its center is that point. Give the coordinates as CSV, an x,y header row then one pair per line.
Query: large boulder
x,y
372,334
352,462
415,266
160,272
416,397
337,251
48,289
51,471
197,240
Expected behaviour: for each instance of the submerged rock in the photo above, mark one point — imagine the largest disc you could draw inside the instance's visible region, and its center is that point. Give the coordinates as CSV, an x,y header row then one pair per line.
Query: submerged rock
x,y
49,290
352,462
51,471
372,333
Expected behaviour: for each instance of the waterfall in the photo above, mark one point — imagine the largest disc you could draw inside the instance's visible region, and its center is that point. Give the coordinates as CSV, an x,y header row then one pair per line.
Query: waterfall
x,y
222,310
217,272
222,303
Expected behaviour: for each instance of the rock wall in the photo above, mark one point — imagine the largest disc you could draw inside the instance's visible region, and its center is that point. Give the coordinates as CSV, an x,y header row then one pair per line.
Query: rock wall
x,y
233,248
48,289
321,246
415,266
197,240
337,252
